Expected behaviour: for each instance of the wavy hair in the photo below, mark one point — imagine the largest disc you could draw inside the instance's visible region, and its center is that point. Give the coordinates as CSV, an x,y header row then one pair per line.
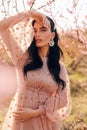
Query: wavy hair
x,y
53,57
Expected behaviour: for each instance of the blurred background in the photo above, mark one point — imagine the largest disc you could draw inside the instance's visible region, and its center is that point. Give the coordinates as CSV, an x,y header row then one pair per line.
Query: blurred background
x,y
70,17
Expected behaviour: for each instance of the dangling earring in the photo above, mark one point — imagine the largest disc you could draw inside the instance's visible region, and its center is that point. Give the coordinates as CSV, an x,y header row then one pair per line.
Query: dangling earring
x,y
51,44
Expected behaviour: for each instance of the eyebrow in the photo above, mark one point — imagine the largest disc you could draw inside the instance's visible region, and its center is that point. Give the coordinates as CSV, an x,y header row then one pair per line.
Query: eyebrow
x,y
42,27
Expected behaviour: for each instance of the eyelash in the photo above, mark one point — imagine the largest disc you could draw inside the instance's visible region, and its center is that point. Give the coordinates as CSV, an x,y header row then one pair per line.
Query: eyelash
x,y
44,30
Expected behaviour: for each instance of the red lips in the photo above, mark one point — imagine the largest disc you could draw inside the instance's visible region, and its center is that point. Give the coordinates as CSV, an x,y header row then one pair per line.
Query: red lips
x,y
38,40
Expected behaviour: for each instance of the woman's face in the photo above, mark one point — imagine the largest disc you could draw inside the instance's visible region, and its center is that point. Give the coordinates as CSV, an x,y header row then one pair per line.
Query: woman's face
x,y
42,34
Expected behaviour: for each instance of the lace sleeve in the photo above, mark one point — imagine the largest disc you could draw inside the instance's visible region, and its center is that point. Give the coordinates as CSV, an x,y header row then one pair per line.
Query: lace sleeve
x,y
16,41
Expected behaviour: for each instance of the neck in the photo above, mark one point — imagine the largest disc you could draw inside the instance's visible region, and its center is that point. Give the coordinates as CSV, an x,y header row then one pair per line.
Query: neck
x,y
43,51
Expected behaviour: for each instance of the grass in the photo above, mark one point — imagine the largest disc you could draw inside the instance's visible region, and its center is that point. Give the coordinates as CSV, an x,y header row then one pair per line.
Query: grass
x,y
78,77
78,114
78,118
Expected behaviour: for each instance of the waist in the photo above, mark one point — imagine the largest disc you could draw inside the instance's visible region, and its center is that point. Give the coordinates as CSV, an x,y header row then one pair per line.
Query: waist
x,y
37,90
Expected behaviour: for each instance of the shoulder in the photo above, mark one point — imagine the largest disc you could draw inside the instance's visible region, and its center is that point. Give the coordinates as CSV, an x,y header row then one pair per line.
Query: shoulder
x,y
63,72
62,66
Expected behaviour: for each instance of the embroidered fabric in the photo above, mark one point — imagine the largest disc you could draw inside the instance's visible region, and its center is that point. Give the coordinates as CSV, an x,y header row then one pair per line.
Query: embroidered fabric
x,y
56,106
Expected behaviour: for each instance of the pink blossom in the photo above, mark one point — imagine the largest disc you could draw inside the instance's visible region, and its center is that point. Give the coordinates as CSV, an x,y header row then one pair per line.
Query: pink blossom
x,y
30,2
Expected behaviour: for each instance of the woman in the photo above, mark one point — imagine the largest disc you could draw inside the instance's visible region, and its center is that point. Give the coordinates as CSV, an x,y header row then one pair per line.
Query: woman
x,y
42,99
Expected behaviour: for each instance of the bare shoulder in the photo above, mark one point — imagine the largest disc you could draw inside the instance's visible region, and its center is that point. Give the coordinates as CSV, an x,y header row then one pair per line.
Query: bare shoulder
x,y
63,71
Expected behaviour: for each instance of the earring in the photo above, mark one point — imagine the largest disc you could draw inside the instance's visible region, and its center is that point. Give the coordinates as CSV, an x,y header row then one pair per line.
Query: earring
x,y
51,44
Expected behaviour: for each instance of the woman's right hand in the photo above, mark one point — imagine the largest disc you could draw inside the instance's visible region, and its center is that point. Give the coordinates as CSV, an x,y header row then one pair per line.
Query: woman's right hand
x,y
39,17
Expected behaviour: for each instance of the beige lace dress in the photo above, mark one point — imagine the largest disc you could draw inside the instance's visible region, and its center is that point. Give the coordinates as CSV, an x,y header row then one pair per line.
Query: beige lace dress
x,y
37,91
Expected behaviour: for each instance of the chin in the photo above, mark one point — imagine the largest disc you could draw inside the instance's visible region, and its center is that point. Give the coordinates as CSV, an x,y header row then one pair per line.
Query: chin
x,y
39,45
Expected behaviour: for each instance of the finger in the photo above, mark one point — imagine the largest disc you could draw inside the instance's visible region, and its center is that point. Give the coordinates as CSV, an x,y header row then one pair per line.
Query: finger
x,y
46,22
17,113
21,120
18,116
19,109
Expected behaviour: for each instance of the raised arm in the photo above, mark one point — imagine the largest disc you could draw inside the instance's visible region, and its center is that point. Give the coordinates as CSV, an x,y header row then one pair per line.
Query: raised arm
x,y
13,20
8,39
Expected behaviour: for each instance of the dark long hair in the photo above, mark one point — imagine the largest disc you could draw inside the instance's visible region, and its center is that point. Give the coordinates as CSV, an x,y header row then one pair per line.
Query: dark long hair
x,y
53,57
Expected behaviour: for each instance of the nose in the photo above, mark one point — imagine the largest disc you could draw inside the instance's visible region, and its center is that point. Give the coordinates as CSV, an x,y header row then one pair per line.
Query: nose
x,y
37,33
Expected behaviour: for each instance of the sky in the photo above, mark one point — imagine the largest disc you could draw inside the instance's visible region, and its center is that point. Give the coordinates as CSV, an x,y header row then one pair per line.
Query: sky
x,y
60,11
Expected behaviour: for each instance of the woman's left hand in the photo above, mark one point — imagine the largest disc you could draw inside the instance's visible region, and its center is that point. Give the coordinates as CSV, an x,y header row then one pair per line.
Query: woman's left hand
x,y
23,114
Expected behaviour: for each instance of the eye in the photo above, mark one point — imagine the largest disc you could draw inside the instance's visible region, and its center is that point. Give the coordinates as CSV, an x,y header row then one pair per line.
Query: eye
x,y
35,31
43,30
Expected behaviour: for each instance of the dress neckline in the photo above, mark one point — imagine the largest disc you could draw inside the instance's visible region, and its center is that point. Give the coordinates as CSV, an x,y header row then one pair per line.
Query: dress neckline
x,y
44,58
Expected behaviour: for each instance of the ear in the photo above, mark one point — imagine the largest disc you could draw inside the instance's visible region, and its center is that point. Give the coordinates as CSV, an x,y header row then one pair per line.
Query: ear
x,y
53,35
